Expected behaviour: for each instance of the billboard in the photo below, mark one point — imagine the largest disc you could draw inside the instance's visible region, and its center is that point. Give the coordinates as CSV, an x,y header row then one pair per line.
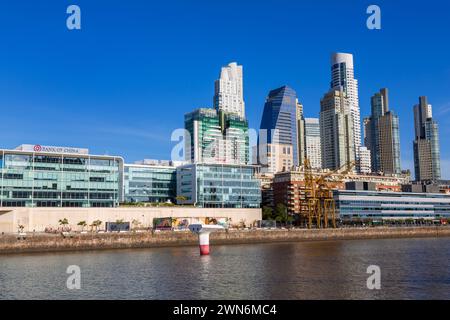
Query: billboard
x,y
162,223
180,224
117,227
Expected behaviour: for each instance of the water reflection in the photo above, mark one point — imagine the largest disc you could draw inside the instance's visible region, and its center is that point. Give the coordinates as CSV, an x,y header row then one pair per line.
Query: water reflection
x,y
411,268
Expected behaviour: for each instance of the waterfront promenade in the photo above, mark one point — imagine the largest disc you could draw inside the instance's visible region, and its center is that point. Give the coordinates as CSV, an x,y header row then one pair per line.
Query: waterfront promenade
x,y
40,242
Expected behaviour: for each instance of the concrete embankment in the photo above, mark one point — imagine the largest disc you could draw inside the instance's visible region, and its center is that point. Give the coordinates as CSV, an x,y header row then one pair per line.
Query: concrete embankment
x,y
50,243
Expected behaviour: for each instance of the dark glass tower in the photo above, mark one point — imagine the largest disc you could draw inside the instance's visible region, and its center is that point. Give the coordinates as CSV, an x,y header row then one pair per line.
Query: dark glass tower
x,y
279,120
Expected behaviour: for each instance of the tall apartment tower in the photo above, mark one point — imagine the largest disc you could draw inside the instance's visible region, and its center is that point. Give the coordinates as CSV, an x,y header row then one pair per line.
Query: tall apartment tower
x,y
280,119
312,142
382,136
426,143
343,79
216,137
229,90
336,131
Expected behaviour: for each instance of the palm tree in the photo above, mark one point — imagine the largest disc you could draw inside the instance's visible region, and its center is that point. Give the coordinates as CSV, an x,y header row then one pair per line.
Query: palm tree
x,y
63,222
96,224
82,224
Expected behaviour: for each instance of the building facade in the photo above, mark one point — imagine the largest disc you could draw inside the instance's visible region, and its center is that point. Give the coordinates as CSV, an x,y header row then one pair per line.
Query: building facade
x,y
336,131
47,176
313,145
343,79
364,161
382,136
427,162
274,157
154,183
229,90
218,186
377,206
279,123
216,137
289,187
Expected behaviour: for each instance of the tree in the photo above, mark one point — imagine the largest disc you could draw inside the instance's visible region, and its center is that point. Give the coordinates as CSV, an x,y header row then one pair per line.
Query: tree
x,y
96,224
63,222
82,224
267,213
281,211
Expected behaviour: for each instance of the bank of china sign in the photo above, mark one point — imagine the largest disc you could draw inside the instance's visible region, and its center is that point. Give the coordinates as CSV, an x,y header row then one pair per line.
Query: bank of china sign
x,y
52,149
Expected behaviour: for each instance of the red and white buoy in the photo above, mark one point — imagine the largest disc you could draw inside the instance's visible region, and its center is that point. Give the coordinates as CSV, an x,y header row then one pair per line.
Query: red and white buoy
x,y
203,231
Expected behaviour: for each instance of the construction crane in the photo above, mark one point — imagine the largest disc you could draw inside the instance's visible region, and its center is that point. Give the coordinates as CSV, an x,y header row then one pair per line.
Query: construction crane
x,y
317,202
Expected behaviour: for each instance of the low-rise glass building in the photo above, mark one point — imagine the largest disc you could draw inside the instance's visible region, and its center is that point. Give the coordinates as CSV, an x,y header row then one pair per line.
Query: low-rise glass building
x,y
355,205
150,183
219,186
43,176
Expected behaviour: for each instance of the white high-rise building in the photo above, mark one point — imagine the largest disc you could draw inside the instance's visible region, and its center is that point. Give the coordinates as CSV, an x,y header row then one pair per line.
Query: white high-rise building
x,y
364,161
229,90
343,78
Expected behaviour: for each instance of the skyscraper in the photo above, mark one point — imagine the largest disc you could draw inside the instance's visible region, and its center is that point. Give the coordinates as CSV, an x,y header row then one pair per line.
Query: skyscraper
x,y
426,143
336,131
220,135
229,90
381,135
216,137
312,142
343,79
279,123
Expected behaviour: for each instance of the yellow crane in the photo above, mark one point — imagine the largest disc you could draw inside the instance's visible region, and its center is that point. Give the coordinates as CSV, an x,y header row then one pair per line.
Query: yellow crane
x,y
317,202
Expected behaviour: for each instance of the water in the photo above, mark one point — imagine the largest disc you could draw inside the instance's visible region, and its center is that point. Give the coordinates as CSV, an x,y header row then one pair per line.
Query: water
x,y
410,269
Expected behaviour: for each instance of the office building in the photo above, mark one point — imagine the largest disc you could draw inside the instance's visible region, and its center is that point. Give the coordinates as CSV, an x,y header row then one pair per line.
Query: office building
x,y
375,206
427,163
49,176
343,79
218,186
152,181
279,123
312,142
229,90
336,131
381,135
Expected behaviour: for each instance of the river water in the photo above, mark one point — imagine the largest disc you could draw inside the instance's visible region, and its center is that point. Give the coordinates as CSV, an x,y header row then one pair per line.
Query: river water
x,y
410,269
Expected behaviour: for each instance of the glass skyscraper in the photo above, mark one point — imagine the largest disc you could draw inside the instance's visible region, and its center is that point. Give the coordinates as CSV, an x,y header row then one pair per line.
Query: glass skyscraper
x,y
427,163
343,79
280,120
56,179
382,136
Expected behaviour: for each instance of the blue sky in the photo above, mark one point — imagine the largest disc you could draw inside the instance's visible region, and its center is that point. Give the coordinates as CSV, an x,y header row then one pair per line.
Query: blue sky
x,y
122,83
